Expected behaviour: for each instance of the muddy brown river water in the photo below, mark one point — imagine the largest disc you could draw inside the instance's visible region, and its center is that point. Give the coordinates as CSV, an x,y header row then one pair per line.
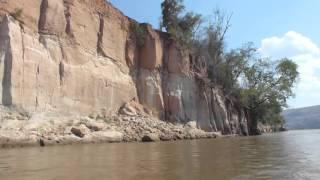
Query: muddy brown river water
x,y
289,155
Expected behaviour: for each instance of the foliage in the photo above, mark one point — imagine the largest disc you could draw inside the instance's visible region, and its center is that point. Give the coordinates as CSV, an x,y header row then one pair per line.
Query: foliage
x,y
17,13
139,33
210,45
181,26
262,86
171,9
268,81
231,66
267,86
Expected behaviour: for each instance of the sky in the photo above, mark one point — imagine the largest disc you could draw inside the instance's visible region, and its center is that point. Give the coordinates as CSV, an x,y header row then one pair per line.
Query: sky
x,y
278,28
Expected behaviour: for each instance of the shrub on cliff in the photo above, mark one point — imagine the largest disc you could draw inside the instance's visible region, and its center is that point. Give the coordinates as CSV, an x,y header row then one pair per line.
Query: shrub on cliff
x,y
17,13
138,33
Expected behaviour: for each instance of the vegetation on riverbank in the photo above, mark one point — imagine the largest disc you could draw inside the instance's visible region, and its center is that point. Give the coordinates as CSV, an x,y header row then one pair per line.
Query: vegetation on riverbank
x,y
260,85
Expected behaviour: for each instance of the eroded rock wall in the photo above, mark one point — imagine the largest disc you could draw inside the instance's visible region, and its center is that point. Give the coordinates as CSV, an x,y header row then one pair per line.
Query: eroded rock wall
x,y
79,57
55,65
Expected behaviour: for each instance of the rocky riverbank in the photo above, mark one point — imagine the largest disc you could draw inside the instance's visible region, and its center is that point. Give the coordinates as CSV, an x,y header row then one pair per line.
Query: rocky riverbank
x,y
84,57
79,71
18,129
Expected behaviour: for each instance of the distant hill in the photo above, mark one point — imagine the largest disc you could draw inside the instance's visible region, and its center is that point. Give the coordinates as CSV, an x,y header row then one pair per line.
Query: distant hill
x,y
302,118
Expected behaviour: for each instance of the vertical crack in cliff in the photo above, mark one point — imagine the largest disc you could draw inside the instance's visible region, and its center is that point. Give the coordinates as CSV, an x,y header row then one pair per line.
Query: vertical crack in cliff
x,y
63,53
67,15
100,36
217,118
43,16
186,119
41,30
229,121
61,73
37,85
211,120
6,81
164,79
61,65
37,102
23,56
6,49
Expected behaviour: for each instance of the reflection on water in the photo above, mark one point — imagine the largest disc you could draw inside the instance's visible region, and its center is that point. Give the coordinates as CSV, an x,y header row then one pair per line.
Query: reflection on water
x,y
290,155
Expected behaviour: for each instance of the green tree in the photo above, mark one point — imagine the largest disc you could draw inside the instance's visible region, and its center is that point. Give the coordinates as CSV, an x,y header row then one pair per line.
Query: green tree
x,y
267,86
180,25
260,86
171,9
232,66
224,68
210,45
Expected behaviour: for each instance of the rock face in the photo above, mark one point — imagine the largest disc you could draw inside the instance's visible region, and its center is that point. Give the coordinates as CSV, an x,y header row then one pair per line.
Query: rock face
x,y
61,68
79,57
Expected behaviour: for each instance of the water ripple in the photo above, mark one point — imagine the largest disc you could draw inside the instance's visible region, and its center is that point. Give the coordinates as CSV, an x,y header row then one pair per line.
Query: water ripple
x,y
291,155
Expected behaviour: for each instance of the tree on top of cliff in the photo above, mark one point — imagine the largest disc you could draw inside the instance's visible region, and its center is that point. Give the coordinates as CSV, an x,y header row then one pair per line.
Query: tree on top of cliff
x,y
180,25
260,85
171,9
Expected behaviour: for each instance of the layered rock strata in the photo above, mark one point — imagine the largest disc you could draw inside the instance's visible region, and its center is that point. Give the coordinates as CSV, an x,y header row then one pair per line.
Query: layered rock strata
x,y
71,58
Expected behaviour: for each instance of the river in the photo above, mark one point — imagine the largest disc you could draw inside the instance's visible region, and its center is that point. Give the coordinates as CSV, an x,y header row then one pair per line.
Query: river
x,y
289,155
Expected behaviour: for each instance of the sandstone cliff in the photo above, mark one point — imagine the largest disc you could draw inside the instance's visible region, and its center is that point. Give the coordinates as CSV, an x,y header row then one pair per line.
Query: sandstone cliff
x,y
81,57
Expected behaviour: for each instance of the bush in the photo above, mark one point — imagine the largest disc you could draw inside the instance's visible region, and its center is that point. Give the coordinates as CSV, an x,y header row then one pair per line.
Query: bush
x,y
138,33
17,13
